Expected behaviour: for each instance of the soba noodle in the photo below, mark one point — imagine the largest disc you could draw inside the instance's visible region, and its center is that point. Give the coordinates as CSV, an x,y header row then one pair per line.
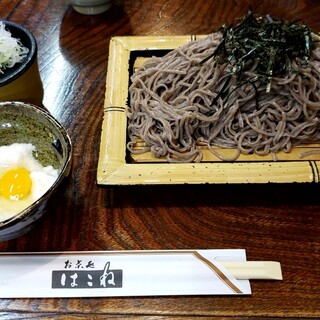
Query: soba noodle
x,y
177,104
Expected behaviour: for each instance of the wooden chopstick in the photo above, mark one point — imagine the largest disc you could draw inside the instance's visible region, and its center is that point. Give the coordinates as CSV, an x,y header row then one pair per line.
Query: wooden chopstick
x,y
258,270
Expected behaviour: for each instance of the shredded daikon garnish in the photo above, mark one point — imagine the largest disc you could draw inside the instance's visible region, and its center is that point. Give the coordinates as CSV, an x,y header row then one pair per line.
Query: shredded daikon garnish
x,y
11,49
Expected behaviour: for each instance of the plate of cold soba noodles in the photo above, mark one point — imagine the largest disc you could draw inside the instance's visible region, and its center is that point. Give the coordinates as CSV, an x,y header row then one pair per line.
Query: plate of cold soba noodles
x,y
240,105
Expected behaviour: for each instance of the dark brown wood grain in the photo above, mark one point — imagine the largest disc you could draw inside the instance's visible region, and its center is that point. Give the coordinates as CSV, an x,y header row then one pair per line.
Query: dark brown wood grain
x,y
272,222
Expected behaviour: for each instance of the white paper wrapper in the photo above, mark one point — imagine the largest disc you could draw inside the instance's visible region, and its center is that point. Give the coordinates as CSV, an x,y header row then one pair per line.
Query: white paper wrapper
x,y
120,273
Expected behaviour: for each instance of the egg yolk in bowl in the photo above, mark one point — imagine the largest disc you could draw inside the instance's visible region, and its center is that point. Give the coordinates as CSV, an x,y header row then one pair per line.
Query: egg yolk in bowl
x,y
15,184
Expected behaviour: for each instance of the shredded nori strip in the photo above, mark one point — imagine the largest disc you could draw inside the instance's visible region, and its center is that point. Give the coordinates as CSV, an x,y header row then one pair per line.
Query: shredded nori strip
x,y
268,42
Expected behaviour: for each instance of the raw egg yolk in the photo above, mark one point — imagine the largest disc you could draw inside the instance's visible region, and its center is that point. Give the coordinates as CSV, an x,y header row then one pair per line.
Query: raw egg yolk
x,y
15,184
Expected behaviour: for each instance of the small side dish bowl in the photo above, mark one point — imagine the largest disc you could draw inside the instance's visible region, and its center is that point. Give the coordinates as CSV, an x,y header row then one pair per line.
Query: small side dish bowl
x,y
22,82
28,124
90,7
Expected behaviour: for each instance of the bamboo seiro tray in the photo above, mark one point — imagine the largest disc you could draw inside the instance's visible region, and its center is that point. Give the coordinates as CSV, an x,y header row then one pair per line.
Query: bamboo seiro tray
x,y
117,167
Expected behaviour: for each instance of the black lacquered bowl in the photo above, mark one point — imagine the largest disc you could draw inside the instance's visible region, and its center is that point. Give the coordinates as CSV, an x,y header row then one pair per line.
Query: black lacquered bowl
x,y
22,82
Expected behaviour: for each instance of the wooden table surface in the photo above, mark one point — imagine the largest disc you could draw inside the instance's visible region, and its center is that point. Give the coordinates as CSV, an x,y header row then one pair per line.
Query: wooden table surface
x,y
271,222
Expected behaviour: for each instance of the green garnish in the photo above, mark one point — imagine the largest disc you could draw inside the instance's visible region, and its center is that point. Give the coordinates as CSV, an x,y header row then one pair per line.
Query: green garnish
x,y
270,44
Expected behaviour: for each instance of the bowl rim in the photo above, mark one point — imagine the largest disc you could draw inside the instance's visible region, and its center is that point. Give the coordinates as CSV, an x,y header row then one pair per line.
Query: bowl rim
x,y
63,172
15,72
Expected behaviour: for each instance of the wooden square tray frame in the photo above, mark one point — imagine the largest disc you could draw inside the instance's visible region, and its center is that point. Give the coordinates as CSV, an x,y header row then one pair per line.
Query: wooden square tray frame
x,y
113,168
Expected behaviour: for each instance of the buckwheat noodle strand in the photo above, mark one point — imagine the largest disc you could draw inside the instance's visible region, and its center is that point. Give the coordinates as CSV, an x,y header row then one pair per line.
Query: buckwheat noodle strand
x,y
176,106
